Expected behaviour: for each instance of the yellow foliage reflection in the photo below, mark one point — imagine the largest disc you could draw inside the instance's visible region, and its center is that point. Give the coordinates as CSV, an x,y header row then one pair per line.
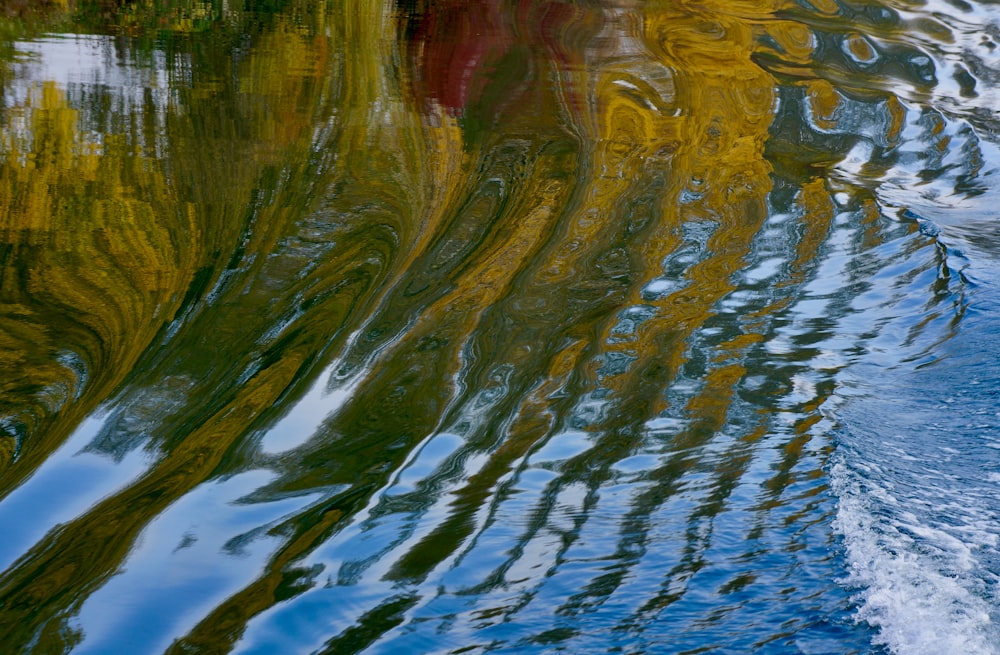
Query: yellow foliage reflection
x,y
347,230
96,251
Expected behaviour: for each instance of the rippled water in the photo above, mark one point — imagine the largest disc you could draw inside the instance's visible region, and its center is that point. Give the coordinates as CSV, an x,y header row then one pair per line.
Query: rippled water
x,y
520,327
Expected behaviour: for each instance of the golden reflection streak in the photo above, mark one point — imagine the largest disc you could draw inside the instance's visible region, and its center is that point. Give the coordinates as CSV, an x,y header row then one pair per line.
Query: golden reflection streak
x,y
58,573
96,248
435,329
725,104
695,135
366,145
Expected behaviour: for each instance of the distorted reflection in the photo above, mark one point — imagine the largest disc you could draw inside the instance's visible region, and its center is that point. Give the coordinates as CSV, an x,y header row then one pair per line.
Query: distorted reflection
x,y
521,325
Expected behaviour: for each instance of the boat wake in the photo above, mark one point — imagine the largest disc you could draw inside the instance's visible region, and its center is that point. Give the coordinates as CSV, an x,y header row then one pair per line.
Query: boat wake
x,y
918,515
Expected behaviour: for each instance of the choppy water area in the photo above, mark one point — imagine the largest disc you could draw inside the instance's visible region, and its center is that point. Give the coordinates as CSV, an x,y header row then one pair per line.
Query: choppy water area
x,y
519,327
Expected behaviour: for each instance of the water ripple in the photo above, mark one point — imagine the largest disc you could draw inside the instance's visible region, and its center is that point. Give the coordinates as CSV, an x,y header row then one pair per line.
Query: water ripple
x,y
519,328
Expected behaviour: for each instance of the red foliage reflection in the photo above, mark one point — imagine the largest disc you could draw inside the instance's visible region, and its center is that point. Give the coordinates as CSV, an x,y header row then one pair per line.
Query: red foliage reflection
x,y
455,46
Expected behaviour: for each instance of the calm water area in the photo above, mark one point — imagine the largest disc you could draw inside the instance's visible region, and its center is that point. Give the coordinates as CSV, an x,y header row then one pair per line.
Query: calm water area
x,y
511,326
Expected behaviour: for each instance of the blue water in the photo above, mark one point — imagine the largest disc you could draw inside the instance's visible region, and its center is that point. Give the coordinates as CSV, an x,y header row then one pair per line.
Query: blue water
x,y
915,475
550,328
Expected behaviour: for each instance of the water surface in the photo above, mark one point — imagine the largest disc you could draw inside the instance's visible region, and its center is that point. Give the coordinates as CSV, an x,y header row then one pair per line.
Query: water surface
x,y
520,327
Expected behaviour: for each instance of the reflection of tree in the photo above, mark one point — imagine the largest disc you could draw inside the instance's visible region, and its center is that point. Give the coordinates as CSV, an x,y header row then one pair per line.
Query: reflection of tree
x,y
498,328
559,246
506,329
675,135
122,284
93,239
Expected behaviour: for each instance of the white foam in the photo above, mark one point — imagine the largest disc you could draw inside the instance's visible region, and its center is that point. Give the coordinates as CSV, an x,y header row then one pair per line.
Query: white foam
x,y
920,585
